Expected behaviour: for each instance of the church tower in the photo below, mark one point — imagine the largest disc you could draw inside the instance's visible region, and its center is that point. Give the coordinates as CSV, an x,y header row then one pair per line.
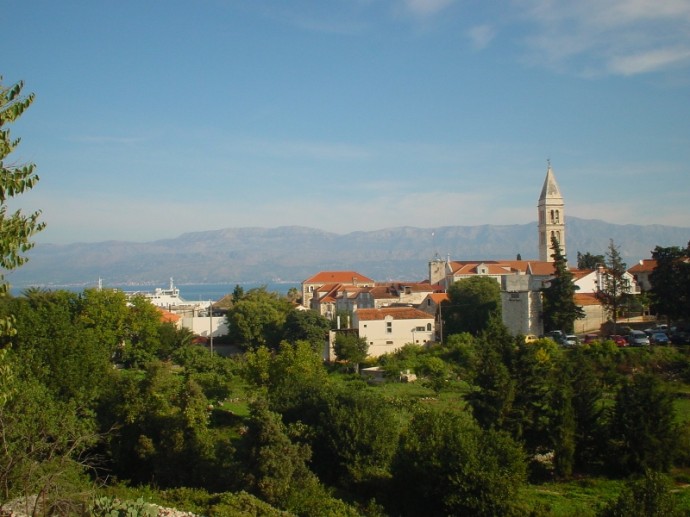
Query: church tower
x,y
551,217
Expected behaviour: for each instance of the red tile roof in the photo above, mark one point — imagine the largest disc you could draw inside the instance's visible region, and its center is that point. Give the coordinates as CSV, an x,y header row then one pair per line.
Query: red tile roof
x,y
502,267
167,316
397,313
584,299
643,266
341,277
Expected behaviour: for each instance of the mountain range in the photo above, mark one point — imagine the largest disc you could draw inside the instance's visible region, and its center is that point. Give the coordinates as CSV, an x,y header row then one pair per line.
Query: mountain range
x,y
294,253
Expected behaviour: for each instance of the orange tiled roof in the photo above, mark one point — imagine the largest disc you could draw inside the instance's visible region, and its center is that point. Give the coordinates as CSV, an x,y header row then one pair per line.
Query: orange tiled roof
x,y
340,277
583,299
397,313
167,316
643,266
580,273
502,267
438,297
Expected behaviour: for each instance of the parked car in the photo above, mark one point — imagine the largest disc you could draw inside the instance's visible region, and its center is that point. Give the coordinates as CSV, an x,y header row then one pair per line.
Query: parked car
x,y
638,338
530,338
591,338
618,340
557,335
659,338
571,340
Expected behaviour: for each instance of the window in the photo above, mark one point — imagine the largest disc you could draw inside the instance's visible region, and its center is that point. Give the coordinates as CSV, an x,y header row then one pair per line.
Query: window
x,y
387,342
389,327
557,217
428,327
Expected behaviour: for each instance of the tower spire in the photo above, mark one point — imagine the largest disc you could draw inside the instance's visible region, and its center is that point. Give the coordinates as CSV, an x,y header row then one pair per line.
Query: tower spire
x,y
551,216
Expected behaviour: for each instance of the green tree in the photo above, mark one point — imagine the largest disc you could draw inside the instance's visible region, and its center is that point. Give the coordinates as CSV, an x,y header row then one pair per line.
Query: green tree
x,y
670,279
276,468
57,349
296,376
45,445
355,438
17,228
589,261
643,432
559,308
257,319
615,287
649,496
587,395
447,465
351,348
105,312
307,326
472,304
162,428
563,427
494,389
536,372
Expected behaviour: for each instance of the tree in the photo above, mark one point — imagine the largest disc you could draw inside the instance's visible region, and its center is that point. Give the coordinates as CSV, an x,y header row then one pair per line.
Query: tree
x,y
257,318
492,398
670,293
447,465
643,432
472,304
615,287
559,308
588,391
306,325
589,261
649,496
16,229
351,348
356,436
275,467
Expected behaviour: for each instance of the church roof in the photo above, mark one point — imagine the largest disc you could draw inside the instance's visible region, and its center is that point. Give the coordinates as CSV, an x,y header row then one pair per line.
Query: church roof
x,y
550,189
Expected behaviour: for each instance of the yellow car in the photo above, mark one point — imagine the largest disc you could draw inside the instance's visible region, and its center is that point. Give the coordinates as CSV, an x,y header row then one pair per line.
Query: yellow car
x,y
530,338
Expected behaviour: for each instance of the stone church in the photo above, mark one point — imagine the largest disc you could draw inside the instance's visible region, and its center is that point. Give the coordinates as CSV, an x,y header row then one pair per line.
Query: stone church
x,y
521,280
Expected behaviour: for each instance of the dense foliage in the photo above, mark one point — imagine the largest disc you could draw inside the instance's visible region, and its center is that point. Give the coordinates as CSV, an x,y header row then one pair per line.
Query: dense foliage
x,y
559,308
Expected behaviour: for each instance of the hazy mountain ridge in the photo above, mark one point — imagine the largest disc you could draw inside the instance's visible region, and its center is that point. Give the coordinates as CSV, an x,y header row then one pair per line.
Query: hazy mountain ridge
x,y
293,253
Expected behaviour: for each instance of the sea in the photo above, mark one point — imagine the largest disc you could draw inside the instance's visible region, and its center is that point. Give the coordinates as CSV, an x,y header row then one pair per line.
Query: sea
x,y
189,292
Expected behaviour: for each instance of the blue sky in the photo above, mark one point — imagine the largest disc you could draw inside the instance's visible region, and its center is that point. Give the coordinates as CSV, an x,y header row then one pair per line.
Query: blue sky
x,y
156,118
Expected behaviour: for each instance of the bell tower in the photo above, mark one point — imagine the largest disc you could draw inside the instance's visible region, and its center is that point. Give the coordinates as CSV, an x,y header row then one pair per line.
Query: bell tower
x,y
551,216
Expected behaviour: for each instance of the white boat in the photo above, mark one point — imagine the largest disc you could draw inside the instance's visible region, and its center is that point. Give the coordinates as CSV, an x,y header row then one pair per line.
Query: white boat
x,y
171,300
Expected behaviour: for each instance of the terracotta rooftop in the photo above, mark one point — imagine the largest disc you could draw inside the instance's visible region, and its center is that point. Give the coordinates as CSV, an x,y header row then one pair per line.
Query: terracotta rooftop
x,y
340,277
397,313
643,266
583,299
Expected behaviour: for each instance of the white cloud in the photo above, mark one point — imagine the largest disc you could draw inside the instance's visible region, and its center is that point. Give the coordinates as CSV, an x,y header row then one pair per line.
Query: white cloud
x,y
481,35
621,37
649,61
426,7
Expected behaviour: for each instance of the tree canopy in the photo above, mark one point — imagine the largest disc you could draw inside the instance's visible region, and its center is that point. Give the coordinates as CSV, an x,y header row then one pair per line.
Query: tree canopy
x,y
472,304
615,288
670,279
559,308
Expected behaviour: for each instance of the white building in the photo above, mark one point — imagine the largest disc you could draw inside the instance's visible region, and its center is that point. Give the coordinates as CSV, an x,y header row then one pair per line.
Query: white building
x,y
390,328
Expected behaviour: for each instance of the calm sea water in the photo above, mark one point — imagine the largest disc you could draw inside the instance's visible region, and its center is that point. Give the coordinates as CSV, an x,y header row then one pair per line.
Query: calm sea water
x,y
190,292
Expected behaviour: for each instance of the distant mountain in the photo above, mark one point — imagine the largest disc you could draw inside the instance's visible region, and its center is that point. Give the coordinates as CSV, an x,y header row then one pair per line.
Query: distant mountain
x,y
293,253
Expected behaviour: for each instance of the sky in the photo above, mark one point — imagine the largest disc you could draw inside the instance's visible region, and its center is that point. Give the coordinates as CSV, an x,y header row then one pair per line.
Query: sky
x,y
154,118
